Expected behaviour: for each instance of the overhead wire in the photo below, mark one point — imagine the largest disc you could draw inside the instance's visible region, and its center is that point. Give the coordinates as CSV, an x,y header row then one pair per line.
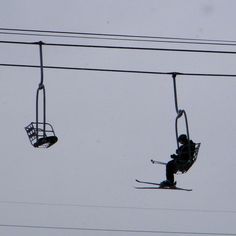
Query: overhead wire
x,y
122,47
114,35
170,41
119,48
76,205
118,70
114,230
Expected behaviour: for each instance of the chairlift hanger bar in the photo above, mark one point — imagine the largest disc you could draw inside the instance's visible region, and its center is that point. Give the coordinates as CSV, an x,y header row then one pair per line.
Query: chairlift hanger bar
x,y
123,47
119,71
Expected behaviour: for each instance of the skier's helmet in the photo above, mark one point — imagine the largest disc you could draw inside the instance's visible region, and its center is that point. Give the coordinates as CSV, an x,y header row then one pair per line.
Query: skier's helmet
x,y
182,138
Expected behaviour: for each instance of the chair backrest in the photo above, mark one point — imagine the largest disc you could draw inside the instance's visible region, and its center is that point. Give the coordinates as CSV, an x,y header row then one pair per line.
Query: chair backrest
x,y
41,134
184,167
195,154
31,132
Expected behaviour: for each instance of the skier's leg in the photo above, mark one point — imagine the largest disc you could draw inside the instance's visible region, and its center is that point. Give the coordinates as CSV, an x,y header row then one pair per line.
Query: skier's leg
x,y
170,170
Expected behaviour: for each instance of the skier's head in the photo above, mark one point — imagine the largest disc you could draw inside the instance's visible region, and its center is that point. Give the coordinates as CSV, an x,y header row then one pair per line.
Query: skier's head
x,y
183,138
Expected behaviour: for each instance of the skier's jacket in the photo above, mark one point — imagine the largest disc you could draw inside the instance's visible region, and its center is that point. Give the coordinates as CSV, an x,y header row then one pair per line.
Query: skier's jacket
x,y
182,153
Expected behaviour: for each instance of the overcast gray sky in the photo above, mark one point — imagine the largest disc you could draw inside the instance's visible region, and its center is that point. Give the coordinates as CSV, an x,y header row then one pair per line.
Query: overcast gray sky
x,y
110,125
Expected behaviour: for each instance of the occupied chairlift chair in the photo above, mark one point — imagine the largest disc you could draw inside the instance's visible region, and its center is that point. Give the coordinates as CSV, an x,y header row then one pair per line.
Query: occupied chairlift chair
x,y
184,166
41,134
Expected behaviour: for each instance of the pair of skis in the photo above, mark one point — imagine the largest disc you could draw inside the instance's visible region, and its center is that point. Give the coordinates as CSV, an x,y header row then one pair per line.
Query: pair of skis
x,y
158,186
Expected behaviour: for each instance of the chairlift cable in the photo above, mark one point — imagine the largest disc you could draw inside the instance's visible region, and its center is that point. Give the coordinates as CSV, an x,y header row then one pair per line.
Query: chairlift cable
x,y
118,70
122,47
114,35
78,205
170,41
117,230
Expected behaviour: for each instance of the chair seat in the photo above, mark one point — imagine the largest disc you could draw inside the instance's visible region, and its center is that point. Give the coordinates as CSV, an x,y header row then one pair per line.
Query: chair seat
x,y
183,167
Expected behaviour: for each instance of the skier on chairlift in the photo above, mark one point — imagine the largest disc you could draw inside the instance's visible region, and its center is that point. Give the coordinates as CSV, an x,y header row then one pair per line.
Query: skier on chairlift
x,y
182,156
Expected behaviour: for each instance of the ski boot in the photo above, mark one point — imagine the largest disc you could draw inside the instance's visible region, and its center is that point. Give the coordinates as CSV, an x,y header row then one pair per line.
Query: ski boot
x,y
167,184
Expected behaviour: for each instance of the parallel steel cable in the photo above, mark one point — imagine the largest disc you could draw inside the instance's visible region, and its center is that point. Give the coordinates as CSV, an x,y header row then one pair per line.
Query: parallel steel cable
x,y
124,47
121,39
113,35
143,48
114,230
77,205
118,70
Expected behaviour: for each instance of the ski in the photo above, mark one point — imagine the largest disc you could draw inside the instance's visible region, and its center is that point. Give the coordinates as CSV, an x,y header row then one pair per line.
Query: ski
x,y
165,188
145,182
156,187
